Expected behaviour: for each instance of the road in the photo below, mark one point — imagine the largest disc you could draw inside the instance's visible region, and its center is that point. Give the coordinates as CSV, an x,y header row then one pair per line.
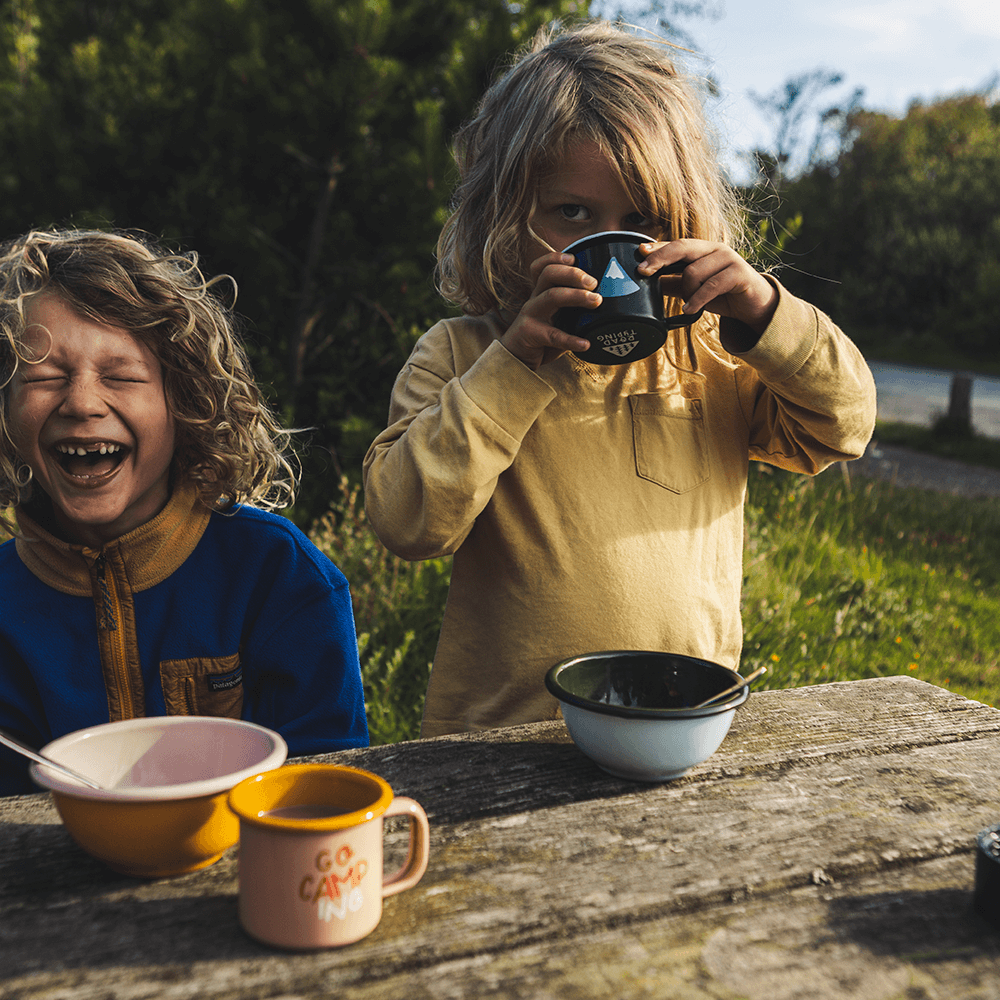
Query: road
x,y
913,395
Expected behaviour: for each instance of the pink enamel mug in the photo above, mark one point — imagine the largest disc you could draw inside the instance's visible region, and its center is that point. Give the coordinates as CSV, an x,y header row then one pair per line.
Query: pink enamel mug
x,y
311,853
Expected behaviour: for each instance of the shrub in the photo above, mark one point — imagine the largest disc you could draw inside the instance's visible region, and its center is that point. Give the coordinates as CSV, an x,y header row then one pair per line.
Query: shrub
x,y
398,607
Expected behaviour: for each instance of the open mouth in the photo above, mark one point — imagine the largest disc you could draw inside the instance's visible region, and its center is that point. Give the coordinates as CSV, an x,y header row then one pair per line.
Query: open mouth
x,y
90,461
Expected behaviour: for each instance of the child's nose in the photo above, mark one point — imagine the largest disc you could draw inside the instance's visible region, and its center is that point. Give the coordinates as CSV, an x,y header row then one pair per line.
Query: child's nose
x,y
83,399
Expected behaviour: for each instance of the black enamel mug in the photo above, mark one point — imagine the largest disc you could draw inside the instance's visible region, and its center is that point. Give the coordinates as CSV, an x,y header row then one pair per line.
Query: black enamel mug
x,y
629,324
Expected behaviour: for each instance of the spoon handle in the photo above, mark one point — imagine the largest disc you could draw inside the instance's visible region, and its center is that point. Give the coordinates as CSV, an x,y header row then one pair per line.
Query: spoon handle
x,y
730,690
22,748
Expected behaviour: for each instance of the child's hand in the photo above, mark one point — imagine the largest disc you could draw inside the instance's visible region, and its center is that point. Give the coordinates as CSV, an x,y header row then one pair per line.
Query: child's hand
x,y
558,285
715,278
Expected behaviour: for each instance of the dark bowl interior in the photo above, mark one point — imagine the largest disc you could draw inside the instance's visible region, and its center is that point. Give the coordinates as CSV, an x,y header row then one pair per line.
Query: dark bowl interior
x,y
639,683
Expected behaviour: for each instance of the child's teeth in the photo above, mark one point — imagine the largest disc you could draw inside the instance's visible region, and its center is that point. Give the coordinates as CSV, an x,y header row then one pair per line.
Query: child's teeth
x,y
104,449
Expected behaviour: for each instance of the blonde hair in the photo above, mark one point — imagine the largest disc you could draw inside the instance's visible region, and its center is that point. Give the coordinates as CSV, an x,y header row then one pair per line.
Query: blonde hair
x,y
599,83
227,440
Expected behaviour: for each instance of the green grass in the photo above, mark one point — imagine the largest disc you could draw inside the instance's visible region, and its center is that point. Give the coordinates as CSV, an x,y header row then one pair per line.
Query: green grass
x,y
843,582
937,440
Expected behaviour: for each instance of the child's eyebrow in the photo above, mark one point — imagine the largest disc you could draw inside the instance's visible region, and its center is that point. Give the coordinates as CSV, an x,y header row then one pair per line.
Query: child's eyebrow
x,y
561,194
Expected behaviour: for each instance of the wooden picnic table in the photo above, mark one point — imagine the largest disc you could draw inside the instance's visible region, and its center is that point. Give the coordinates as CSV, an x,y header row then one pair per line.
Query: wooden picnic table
x,y
826,851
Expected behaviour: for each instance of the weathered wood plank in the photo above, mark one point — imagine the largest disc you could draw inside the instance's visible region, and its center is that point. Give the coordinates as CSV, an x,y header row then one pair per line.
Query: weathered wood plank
x,y
551,875
891,936
904,934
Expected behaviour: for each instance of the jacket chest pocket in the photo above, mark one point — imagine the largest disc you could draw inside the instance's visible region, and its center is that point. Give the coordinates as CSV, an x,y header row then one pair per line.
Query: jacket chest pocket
x,y
671,447
203,685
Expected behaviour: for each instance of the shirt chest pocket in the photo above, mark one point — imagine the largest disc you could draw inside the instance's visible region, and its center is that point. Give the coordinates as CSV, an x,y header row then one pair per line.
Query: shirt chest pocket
x,y
671,447
203,685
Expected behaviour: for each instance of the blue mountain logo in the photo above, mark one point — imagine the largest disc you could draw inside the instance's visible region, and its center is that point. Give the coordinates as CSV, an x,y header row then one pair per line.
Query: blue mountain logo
x,y
616,282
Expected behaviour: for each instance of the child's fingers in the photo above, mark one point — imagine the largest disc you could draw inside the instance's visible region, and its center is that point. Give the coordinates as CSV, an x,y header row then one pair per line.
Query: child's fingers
x,y
558,284
690,258
541,344
547,301
550,338
533,338
554,270
538,331
714,277
548,259
724,283
696,266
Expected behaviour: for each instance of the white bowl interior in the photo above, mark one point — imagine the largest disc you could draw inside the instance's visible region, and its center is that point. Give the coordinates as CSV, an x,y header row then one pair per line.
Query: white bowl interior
x,y
180,755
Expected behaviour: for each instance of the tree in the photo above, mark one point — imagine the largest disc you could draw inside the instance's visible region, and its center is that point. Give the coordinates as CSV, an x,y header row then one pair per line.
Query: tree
x,y
903,227
300,146
804,136
667,16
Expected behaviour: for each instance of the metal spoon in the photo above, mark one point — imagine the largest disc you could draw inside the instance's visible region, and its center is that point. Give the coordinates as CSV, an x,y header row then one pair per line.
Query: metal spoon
x,y
23,748
730,690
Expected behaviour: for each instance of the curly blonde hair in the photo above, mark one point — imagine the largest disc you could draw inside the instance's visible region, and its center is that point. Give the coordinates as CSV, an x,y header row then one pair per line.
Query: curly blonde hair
x,y
597,82
227,441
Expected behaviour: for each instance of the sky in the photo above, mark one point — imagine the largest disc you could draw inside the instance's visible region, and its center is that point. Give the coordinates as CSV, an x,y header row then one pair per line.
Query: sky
x,y
897,50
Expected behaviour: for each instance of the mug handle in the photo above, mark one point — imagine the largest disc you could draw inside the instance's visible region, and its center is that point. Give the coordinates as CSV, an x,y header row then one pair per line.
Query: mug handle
x,y
416,859
681,319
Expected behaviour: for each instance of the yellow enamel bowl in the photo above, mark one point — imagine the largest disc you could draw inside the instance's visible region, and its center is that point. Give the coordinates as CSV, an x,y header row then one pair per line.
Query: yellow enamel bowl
x,y
633,712
162,809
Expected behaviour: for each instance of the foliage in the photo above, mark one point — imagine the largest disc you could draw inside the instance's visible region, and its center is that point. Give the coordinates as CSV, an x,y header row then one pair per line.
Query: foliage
x,y
805,134
665,17
398,608
937,440
300,146
902,230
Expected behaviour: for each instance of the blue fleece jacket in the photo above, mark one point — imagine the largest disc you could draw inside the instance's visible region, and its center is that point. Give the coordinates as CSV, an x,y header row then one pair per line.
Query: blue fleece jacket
x,y
235,614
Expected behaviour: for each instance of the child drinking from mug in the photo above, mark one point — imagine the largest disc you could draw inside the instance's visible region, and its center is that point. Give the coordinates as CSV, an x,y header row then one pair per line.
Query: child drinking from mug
x,y
148,574
589,507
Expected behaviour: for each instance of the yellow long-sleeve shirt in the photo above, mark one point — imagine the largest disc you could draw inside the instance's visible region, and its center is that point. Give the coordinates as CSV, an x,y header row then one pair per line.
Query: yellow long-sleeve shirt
x,y
593,508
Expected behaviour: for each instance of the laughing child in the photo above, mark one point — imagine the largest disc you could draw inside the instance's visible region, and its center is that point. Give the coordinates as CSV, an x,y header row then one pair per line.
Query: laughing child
x,y
148,574
595,507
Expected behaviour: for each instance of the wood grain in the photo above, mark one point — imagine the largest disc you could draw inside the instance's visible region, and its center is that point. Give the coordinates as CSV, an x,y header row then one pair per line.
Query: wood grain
x,y
826,850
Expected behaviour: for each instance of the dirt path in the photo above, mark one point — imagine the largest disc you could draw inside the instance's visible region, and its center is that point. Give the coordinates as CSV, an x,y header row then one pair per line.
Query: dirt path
x,y
912,468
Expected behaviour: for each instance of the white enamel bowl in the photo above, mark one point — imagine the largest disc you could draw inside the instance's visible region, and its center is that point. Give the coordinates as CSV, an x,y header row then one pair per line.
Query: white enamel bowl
x,y
630,711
